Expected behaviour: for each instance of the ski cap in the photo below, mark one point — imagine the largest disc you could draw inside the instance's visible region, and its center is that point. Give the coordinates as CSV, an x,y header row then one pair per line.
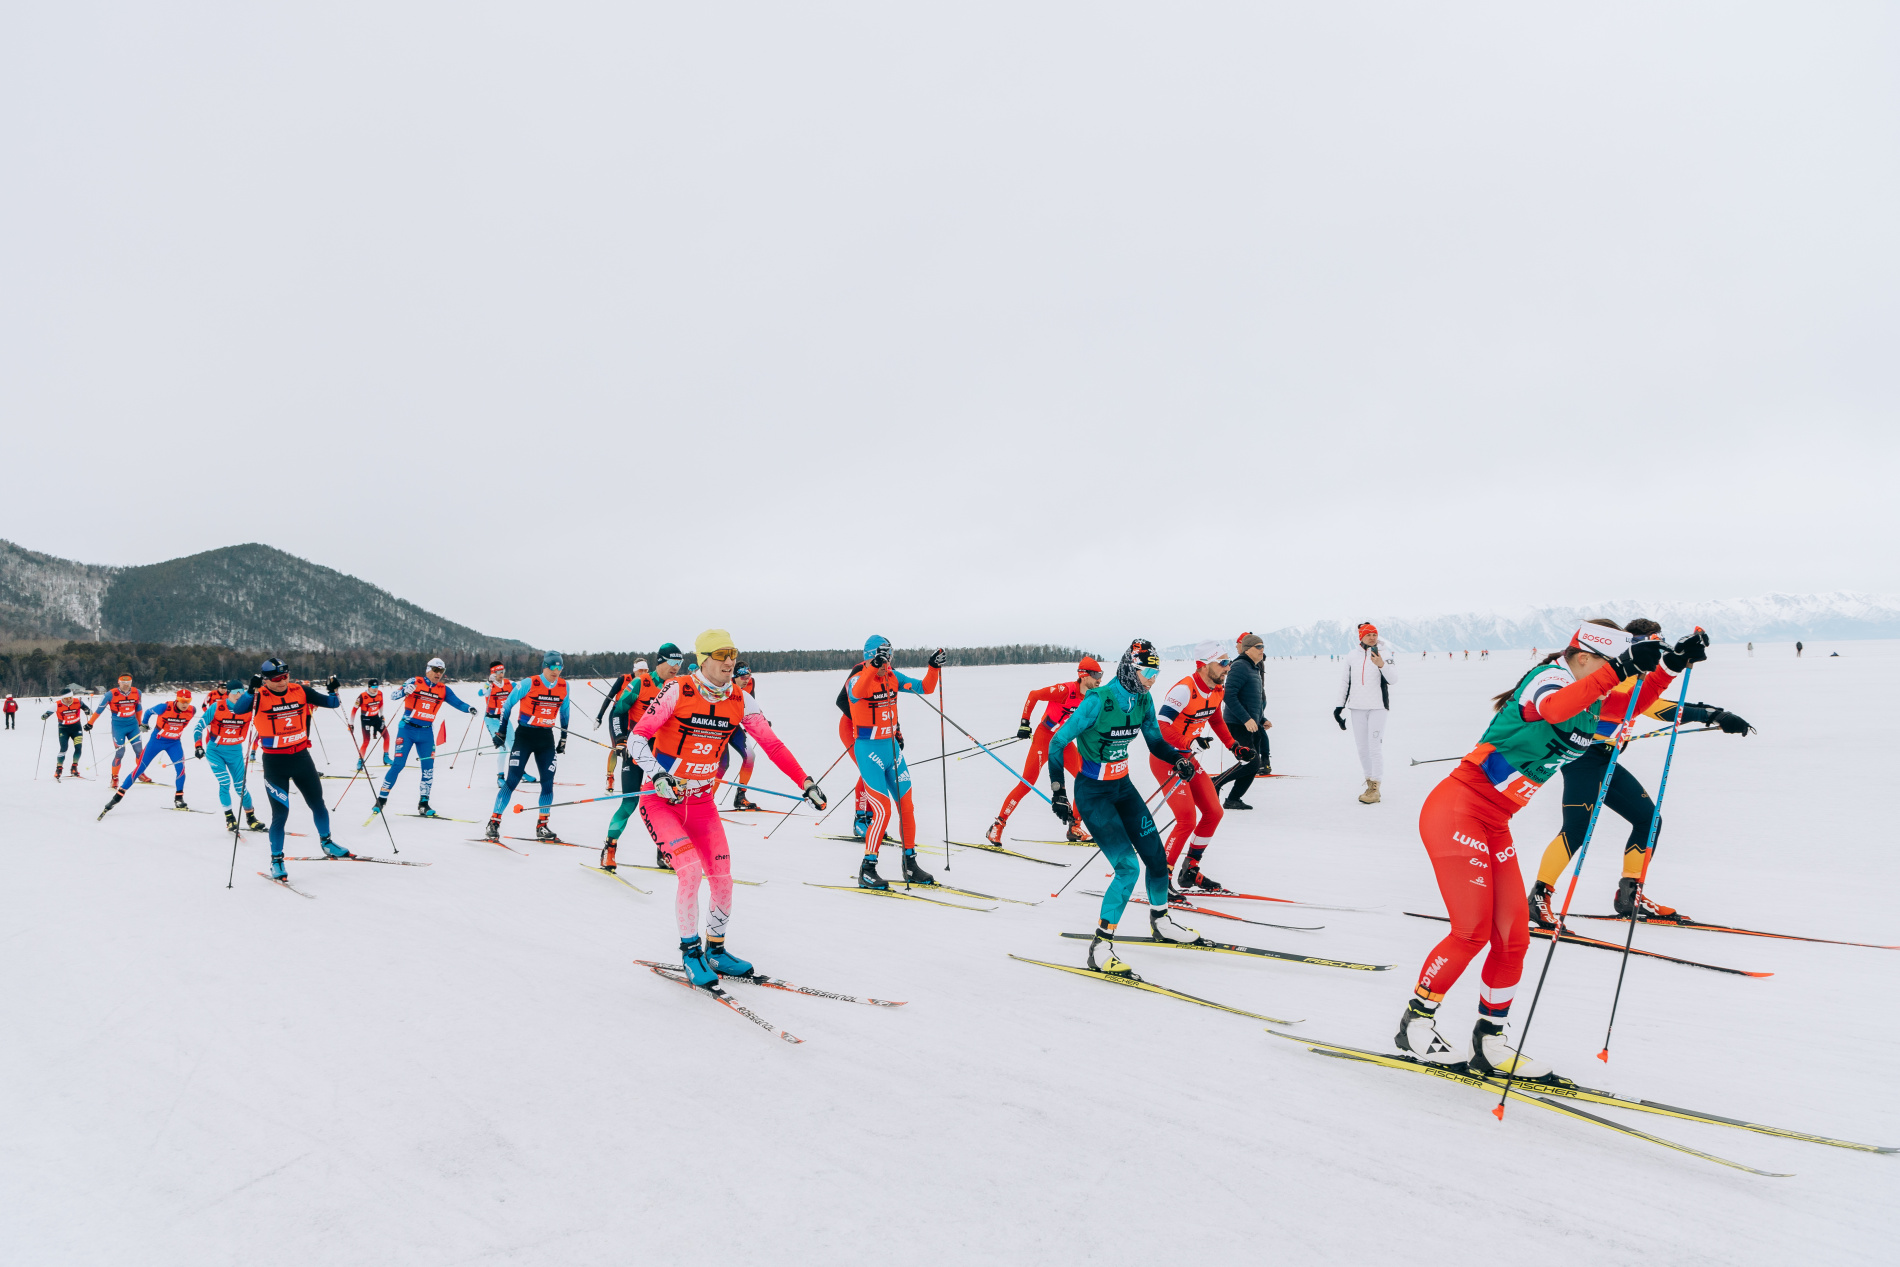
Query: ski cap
x,y
716,643
1247,640
640,666
877,650
435,662
1139,664
497,664
1089,664
235,685
1367,627
374,682
1599,640
551,660
273,668
669,653
184,693
1210,652
742,669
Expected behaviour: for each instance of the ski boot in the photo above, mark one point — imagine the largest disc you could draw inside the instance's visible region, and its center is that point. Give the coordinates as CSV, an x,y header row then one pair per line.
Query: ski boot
x,y
914,874
544,832
868,878
333,850
529,778
57,771
277,871
1492,1056
1190,872
178,801
492,832
251,823
1164,928
1630,896
607,853
693,956
660,859
1543,912
1111,965
230,821
1371,795
386,760
1418,1035
861,824
995,834
74,772
722,963
1206,883
1234,802
360,767
739,801
116,798
1078,835
423,810
380,802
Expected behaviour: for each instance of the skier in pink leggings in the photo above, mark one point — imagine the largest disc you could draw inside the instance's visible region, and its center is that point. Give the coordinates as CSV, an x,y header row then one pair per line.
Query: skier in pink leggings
x,y
679,744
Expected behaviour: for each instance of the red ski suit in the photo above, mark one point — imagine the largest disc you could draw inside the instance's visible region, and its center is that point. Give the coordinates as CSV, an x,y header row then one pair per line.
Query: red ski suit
x,y
1057,702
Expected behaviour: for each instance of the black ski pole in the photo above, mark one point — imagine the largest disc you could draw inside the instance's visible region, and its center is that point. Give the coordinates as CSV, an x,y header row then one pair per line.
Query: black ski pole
x,y
943,767
1649,852
828,813
39,754
234,845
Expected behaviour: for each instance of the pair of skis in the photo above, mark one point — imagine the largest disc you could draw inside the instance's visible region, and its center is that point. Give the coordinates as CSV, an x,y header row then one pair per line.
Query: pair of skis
x,y
1579,939
677,973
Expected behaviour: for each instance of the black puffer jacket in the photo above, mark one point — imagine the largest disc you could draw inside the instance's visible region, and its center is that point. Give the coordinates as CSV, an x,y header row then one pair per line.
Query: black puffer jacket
x,y
1246,697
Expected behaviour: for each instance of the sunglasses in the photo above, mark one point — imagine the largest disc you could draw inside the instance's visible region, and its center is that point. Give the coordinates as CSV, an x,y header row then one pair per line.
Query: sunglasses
x,y
278,677
724,653
1148,672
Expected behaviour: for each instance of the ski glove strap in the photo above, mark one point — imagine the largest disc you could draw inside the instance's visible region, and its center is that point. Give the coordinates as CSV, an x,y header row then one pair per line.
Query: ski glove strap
x,y
814,793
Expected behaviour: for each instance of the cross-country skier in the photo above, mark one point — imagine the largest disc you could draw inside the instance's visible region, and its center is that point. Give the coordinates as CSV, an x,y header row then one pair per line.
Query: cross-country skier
x,y
71,711
1364,691
369,702
11,709
679,744
422,698
1057,702
280,714
494,694
1192,705
1583,779
170,719
743,681
848,736
125,703
1547,720
542,700
225,752
876,747
635,698
1108,718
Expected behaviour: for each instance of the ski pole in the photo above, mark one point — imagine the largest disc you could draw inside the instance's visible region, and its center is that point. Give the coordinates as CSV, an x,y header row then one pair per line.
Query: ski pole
x,y
457,754
821,778
1098,849
1000,743
1649,853
1659,733
985,747
39,754
943,769
234,845
1556,933
622,796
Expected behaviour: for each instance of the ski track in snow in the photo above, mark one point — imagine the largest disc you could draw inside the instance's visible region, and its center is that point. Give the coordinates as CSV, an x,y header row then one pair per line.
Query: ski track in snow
x,y
462,1064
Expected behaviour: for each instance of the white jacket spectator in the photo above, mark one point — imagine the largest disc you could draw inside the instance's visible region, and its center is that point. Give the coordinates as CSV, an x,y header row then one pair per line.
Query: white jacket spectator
x,y
1364,684
1365,690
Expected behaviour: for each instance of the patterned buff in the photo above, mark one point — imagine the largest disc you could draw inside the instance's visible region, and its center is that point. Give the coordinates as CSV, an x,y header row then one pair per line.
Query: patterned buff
x,y
1139,656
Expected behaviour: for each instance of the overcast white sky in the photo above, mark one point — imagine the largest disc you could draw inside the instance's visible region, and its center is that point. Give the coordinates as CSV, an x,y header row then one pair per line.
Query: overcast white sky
x,y
596,324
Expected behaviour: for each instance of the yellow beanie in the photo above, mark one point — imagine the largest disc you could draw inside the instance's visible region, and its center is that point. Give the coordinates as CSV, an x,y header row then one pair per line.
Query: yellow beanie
x,y
712,640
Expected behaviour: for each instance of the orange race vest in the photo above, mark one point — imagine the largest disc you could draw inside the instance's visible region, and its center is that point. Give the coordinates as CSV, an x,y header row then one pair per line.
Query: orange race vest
x,y
875,715
1203,703
70,711
172,722
498,695
283,718
123,703
541,706
697,733
371,702
227,726
216,695
649,691
424,699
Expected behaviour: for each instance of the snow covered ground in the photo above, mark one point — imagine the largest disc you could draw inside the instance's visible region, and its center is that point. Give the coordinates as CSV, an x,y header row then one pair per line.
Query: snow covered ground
x,y
461,1064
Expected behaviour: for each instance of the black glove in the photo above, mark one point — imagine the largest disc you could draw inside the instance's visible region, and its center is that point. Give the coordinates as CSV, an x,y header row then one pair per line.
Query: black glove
x,y
198,751
335,682
1206,741
562,745
257,683
1184,769
501,732
900,741
1644,656
1022,731
46,714
1729,722
1339,715
814,793
1690,650
1059,802
89,728
937,658
1242,753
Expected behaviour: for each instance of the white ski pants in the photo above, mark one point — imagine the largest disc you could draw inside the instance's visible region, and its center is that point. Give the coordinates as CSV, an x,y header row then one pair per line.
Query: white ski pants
x,y
1368,734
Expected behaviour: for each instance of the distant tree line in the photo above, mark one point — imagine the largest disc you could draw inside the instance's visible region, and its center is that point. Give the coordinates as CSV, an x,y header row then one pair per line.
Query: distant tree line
x,y
156,664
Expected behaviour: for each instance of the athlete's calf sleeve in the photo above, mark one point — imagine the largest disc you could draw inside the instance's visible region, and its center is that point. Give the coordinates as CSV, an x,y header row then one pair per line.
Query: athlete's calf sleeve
x,y
1556,855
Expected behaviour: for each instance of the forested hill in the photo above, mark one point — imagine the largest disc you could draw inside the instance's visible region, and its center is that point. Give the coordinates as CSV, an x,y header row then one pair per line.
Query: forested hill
x,y
239,596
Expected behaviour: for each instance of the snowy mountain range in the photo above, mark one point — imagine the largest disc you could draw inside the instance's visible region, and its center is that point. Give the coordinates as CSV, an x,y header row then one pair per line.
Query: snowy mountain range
x,y
1768,618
